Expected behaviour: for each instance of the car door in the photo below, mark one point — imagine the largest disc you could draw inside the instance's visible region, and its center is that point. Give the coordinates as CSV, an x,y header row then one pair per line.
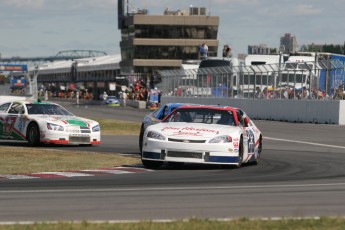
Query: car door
x,y
3,114
14,122
249,130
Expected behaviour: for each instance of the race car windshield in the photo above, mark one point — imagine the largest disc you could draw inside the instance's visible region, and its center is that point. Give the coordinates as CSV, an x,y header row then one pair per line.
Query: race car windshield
x,y
202,115
47,109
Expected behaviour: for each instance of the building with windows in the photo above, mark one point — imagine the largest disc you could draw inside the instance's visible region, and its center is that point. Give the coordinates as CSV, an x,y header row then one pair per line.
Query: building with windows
x,y
289,42
90,76
259,49
156,42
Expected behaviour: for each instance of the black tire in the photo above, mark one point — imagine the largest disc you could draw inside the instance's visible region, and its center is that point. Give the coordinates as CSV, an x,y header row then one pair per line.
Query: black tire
x,y
152,164
33,135
256,162
240,154
141,138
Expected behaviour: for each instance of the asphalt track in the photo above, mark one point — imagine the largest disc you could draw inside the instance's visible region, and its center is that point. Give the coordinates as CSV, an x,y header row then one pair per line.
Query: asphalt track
x,y
301,174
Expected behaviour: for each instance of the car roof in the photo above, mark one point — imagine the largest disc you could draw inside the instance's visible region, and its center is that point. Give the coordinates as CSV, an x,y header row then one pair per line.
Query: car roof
x,y
175,104
31,102
216,107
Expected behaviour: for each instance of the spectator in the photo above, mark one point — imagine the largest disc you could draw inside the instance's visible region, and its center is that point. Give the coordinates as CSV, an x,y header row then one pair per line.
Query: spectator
x,y
285,93
226,51
203,49
258,92
105,95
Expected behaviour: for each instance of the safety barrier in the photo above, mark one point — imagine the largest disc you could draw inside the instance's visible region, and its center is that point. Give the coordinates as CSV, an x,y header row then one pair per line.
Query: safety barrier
x,y
299,111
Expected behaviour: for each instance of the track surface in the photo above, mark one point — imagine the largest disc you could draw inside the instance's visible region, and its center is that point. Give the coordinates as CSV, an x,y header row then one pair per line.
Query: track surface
x,y
302,174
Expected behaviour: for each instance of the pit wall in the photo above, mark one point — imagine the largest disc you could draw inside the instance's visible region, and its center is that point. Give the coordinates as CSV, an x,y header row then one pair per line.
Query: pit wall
x,y
300,111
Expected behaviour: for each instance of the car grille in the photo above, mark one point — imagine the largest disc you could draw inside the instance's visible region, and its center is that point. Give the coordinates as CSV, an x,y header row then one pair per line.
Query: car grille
x,y
84,129
186,141
184,154
78,129
81,140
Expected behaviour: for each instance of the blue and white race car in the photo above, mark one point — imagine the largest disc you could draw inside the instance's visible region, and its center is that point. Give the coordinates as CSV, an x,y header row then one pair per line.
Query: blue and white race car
x,y
112,100
202,134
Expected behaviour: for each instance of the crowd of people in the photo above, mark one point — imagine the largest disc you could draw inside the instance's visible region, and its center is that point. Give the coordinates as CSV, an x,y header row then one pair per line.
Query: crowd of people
x,y
299,94
139,91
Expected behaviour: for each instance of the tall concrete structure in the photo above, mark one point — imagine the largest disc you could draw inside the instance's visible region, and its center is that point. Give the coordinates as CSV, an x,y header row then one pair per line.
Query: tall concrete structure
x,y
156,42
289,42
259,49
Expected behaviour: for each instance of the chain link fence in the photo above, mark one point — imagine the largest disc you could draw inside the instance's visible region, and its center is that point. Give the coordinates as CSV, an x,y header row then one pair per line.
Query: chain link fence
x,y
323,79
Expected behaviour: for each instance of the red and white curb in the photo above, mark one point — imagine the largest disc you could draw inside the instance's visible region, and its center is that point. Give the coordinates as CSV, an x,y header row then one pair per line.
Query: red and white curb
x,y
80,173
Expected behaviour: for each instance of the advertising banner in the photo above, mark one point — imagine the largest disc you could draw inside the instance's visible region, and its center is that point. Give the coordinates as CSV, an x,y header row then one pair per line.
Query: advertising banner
x,y
10,67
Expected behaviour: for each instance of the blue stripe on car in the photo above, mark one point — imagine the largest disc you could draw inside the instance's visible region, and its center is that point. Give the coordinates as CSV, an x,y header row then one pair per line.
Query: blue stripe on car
x,y
223,159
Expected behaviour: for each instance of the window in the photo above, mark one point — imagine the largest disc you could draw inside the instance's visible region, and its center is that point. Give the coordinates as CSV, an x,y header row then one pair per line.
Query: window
x,y
16,108
4,107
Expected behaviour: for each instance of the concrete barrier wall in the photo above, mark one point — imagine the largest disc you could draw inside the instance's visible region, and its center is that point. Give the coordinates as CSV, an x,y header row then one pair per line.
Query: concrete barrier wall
x,y
136,104
342,112
4,99
304,111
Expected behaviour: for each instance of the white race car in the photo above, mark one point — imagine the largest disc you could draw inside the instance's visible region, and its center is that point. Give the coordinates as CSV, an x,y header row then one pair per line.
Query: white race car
x,y
43,122
202,134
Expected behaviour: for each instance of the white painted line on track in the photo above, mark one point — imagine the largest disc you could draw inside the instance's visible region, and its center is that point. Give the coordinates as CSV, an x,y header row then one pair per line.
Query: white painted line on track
x,y
64,174
16,177
160,220
176,188
304,142
107,171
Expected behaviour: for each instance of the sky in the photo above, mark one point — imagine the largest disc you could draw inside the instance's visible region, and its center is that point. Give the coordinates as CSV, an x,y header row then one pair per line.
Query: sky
x,y
42,28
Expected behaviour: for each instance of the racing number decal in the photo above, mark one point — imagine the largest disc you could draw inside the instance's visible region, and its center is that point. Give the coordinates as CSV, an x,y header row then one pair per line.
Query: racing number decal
x,y
9,123
251,141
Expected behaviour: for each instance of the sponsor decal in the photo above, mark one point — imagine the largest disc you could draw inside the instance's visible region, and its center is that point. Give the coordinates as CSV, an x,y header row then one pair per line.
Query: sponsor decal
x,y
21,124
251,143
190,129
186,134
236,144
170,128
199,130
79,135
230,150
9,123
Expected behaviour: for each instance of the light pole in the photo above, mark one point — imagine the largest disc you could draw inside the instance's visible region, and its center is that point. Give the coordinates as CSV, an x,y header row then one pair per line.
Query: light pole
x,y
33,83
281,51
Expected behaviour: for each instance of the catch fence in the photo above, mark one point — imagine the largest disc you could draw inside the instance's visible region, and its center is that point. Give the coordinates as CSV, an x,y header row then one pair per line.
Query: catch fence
x,y
323,79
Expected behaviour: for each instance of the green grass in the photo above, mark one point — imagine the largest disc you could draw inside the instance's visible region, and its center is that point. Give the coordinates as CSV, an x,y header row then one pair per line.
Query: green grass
x,y
14,160
110,126
196,224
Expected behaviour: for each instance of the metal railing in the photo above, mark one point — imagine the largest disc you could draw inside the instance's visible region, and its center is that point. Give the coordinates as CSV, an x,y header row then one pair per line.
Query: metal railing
x,y
323,79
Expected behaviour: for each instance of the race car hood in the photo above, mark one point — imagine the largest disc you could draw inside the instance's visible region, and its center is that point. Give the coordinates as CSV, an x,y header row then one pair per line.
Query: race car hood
x,y
65,120
193,130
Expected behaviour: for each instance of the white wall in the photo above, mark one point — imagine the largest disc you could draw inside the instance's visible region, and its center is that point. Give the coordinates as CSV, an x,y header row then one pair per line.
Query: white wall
x,y
322,112
4,99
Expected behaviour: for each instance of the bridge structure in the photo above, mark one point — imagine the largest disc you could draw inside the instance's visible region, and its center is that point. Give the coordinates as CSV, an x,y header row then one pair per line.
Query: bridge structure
x,y
62,55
